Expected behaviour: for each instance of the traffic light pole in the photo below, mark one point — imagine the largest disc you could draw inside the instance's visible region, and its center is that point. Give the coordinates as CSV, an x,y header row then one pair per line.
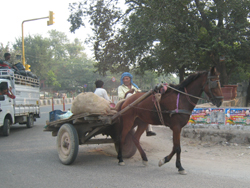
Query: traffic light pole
x,y
23,51
50,23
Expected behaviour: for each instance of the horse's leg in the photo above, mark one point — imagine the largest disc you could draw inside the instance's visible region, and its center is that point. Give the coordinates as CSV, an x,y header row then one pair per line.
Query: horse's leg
x,y
141,127
119,154
177,146
126,127
176,149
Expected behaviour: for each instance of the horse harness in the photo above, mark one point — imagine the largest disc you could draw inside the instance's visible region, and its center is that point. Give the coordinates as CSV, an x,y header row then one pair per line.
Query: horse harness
x,y
156,100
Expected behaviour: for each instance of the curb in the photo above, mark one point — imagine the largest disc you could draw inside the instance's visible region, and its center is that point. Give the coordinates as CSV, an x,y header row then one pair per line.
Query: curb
x,y
217,135
46,102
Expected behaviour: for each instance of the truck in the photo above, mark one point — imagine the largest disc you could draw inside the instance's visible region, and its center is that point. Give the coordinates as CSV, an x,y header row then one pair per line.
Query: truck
x,y
24,109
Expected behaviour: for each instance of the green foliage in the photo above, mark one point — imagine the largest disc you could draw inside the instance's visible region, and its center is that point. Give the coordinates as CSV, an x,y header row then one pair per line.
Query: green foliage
x,y
167,36
61,63
51,79
37,54
64,66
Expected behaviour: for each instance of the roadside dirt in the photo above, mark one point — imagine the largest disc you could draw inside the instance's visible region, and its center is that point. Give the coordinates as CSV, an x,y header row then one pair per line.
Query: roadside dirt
x,y
224,159
227,159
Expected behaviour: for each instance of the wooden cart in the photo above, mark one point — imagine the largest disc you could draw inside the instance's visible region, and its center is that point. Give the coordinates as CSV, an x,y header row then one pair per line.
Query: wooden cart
x,y
81,129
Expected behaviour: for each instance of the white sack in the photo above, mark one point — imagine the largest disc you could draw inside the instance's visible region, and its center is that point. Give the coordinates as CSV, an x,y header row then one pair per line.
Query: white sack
x,y
89,102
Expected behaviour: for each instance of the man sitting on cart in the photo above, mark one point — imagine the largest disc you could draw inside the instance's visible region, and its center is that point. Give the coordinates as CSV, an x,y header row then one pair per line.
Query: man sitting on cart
x,y
128,88
101,92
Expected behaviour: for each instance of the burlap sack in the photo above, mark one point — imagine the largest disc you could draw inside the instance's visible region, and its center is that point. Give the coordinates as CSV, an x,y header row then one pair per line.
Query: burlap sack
x,y
89,102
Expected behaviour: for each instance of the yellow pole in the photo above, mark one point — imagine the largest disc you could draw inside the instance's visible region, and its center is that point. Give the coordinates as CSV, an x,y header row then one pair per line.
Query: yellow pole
x,y
23,51
23,56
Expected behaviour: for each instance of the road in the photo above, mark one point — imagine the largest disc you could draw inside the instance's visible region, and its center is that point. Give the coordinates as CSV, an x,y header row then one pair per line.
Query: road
x,y
28,159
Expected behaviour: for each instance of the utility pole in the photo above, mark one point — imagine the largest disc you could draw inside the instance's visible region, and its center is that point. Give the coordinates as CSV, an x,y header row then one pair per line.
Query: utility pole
x,y
50,22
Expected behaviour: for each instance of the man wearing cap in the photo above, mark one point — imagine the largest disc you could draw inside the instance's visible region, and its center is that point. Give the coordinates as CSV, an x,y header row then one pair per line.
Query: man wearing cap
x,y
128,88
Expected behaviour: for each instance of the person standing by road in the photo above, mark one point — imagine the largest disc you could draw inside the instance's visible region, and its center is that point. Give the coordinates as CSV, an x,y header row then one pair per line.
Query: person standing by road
x,y
128,88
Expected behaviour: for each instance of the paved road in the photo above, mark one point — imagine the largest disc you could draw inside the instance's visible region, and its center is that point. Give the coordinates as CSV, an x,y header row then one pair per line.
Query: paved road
x,y
28,159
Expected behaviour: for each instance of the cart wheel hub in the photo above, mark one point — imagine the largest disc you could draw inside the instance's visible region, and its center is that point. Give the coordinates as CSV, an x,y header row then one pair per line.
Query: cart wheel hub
x,y
65,143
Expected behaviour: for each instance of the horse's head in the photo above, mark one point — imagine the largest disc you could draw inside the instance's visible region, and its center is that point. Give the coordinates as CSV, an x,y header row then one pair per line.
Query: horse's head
x,y
212,87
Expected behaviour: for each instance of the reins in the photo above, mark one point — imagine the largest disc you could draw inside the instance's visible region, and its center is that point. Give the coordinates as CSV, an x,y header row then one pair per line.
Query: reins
x,y
186,93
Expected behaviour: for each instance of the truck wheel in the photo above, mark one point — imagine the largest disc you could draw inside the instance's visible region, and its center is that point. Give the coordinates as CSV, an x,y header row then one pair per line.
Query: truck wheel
x,y
30,121
67,143
6,127
129,147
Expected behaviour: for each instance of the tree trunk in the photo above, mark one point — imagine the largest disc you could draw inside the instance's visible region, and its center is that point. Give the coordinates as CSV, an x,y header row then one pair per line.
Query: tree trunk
x,y
223,73
181,74
248,94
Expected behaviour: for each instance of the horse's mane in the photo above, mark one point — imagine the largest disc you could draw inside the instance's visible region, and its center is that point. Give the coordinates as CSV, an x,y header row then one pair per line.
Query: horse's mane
x,y
187,81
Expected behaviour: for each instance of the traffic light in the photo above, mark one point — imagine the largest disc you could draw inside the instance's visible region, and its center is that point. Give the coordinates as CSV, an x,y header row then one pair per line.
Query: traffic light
x,y
51,18
27,67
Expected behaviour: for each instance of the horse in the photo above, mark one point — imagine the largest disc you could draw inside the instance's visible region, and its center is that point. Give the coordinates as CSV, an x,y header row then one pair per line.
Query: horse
x,y
173,110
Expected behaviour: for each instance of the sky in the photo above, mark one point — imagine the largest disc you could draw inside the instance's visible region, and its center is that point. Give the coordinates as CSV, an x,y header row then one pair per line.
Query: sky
x,y
14,12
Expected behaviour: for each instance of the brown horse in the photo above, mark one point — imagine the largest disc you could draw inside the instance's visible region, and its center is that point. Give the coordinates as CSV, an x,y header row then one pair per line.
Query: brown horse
x,y
174,110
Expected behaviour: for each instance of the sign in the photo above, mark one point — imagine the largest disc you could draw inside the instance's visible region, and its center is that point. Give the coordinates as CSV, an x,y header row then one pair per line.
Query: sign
x,y
200,116
220,116
207,116
113,79
238,116
85,85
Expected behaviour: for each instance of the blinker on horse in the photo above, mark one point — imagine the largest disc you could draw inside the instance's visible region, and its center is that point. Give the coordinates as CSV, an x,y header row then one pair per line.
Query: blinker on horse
x,y
174,109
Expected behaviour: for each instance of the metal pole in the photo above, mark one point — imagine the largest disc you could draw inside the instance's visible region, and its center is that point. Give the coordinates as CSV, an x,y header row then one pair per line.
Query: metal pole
x,y
23,51
63,104
23,56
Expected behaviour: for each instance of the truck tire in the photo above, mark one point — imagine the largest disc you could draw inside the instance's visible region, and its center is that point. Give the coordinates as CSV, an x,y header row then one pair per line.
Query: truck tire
x,y
129,148
67,143
30,121
6,127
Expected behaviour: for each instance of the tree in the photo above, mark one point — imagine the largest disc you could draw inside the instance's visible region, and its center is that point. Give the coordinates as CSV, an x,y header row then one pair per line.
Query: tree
x,y
168,36
143,42
224,35
103,17
51,79
61,63
37,54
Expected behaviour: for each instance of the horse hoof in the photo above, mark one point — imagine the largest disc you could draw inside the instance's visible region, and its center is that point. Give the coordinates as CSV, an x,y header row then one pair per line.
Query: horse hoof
x,y
145,163
182,172
121,163
161,162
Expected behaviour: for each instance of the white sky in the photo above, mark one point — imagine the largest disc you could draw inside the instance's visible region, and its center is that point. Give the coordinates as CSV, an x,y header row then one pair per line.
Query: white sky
x,y
13,12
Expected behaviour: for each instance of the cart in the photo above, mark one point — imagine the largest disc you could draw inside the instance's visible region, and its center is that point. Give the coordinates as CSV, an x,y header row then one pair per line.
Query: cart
x,y
82,128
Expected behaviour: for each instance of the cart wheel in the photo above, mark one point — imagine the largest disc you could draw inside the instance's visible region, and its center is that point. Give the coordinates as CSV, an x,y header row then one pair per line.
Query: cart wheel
x,y
67,143
129,148
30,121
6,127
